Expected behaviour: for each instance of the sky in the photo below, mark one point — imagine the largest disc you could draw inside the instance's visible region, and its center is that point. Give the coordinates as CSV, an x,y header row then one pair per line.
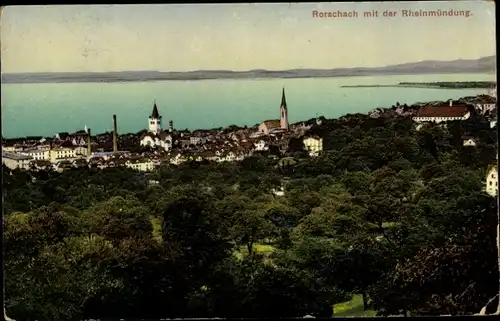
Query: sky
x,y
275,36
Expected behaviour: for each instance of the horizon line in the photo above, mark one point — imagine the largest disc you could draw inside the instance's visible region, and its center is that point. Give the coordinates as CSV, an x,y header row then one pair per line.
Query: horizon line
x,y
241,71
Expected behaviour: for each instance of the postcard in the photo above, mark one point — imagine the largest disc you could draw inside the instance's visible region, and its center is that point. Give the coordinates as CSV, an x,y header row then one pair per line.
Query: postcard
x,y
249,160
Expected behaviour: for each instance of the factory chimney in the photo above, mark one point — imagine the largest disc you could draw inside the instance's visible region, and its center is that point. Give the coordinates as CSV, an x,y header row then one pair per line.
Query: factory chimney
x,y
115,135
89,143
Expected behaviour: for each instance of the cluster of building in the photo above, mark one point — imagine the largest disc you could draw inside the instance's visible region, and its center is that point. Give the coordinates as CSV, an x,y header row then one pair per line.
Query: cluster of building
x,y
454,110
81,149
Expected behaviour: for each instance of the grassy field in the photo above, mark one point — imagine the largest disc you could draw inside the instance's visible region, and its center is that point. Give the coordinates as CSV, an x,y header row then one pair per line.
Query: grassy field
x,y
156,223
258,248
353,308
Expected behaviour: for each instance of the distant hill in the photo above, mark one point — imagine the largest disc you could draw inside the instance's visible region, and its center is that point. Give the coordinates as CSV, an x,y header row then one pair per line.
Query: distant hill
x,y
481,65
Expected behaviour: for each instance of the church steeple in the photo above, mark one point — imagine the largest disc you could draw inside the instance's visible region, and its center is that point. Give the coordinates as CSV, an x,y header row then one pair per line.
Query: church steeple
x,y
284,112
283,99
155,120
155,114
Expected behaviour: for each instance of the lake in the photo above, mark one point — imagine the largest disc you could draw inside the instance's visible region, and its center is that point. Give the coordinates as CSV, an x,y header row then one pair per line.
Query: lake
x,y
44,109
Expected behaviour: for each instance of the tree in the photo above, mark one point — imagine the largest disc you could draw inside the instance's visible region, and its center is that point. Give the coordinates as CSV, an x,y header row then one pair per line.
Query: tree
x,y
249,225
117,219
195,241
455,278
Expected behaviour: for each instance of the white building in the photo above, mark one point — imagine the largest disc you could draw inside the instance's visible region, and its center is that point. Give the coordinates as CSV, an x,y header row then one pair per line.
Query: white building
x,y
278,191
484,103
492,181
469,141
14,148
38,154
155,137
81,151
443,113
163,140
314,145
143,165
177,159
15,160
55,154
62,153
261,145
154,125
195,140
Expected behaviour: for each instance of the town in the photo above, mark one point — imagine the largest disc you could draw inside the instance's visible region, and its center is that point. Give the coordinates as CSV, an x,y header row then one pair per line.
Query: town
x,y
155,146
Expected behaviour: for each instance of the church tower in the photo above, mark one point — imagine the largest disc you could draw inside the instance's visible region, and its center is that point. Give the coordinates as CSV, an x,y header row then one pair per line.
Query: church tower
x,y
155,121
284,112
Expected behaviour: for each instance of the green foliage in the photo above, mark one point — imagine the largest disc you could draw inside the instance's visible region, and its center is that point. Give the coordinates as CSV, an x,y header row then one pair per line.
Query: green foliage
x,y
392,217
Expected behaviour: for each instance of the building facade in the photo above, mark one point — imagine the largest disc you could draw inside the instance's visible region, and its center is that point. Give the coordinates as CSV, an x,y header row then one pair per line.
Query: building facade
x,y
444,113
314,145
492,181
16,161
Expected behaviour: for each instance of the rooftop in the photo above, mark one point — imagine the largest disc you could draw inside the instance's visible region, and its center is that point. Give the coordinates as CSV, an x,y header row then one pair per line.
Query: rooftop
x,y
273,123
15,156
100,154
444,111
155,114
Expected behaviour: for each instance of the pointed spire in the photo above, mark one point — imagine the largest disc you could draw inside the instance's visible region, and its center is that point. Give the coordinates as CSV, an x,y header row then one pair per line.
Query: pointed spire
x,y
283,100
155,113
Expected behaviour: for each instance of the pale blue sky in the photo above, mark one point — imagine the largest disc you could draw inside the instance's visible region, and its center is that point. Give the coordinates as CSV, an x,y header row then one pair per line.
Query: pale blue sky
x,y
236,36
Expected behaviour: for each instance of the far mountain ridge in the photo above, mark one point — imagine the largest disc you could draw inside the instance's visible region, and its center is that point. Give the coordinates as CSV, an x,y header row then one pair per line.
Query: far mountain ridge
x,y
480,65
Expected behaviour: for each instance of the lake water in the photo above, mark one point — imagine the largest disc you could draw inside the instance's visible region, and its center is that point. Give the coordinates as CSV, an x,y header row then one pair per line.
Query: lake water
x,y
44,109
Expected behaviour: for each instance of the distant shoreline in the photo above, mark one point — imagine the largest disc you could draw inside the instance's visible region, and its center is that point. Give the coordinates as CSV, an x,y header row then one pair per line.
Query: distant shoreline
x,y
435,85
484,65
10,79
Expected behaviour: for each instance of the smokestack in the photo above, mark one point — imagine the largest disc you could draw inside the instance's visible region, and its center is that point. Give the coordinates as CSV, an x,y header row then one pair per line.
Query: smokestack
x,y
89,143
115,135
451,102
170,126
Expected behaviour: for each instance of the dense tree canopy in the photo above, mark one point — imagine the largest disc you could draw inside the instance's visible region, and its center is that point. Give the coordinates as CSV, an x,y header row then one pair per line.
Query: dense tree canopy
x,y
396,215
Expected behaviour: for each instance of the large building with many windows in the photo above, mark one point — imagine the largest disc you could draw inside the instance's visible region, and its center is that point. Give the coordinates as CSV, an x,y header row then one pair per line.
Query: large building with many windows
x,y
442,113
16,160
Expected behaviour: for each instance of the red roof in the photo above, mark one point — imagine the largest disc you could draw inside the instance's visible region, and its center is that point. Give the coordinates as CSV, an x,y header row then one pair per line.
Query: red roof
x,y
272,123
448,111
